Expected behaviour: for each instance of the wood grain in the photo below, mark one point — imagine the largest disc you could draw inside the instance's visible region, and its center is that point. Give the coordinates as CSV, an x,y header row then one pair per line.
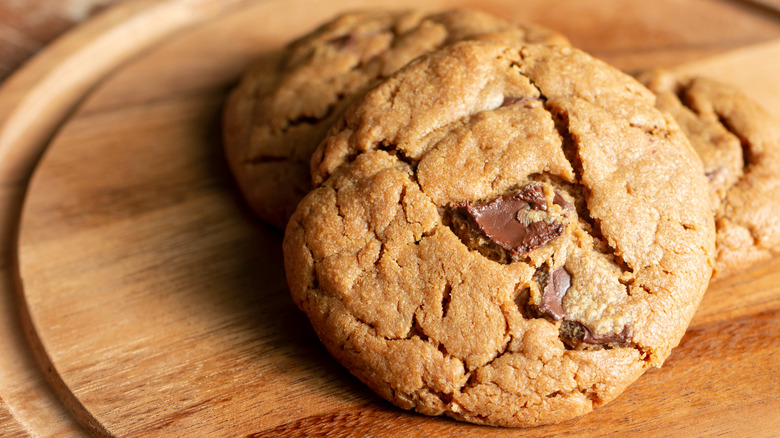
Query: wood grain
x,y
157,304
27,26
33,103
8,426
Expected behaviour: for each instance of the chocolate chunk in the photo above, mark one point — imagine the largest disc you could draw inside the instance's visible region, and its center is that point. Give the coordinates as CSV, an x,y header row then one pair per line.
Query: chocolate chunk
x,y
613,338
557,285
512,100
560,200
533,194
578,336
505,220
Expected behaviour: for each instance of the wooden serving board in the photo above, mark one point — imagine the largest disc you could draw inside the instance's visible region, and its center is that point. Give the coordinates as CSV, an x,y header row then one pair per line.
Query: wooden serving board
x,y
139,297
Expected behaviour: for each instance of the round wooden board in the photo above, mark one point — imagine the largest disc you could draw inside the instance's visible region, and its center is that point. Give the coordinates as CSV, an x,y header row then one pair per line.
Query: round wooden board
x,y
157,305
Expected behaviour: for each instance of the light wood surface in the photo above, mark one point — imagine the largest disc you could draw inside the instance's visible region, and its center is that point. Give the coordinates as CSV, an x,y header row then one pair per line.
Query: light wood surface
x,y
27,26
156,305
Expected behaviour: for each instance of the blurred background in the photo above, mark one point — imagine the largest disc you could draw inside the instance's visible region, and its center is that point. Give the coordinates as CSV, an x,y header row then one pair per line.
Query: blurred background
x,y
28,25
699,28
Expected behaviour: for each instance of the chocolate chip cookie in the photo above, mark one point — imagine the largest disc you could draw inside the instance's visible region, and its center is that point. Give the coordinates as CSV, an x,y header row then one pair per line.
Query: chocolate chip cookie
x,y
507,235
285,103
739,144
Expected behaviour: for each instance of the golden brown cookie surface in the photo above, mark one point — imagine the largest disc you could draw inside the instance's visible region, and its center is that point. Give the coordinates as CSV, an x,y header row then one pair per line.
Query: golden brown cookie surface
x,y
284,105
506,235
739,144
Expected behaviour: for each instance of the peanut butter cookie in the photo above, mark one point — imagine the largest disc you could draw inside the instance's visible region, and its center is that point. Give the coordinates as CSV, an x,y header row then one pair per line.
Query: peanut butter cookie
x,y
507,235
285,103
739,144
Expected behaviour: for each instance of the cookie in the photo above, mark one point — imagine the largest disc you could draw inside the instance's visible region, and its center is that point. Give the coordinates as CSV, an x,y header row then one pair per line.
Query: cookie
x,y
505,235
739,145
284,105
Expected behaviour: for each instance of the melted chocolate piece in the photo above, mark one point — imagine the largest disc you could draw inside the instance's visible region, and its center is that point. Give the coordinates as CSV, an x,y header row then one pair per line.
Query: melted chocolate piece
x,y
619,338
560,200
505,220
552,296
533,194
578,336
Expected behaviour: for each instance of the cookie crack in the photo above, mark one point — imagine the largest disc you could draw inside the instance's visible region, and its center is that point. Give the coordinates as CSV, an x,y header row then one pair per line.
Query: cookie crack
x,y
306,119
445,398
371,327
380,255
571,153
653,130
632,286
416,330
592,224
749,156
262,159
347,42
749,227
426,232
644,354
399,154
519,70
756,237
589,393
315,281
446,298
589,224
685,99
500,352
339,212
